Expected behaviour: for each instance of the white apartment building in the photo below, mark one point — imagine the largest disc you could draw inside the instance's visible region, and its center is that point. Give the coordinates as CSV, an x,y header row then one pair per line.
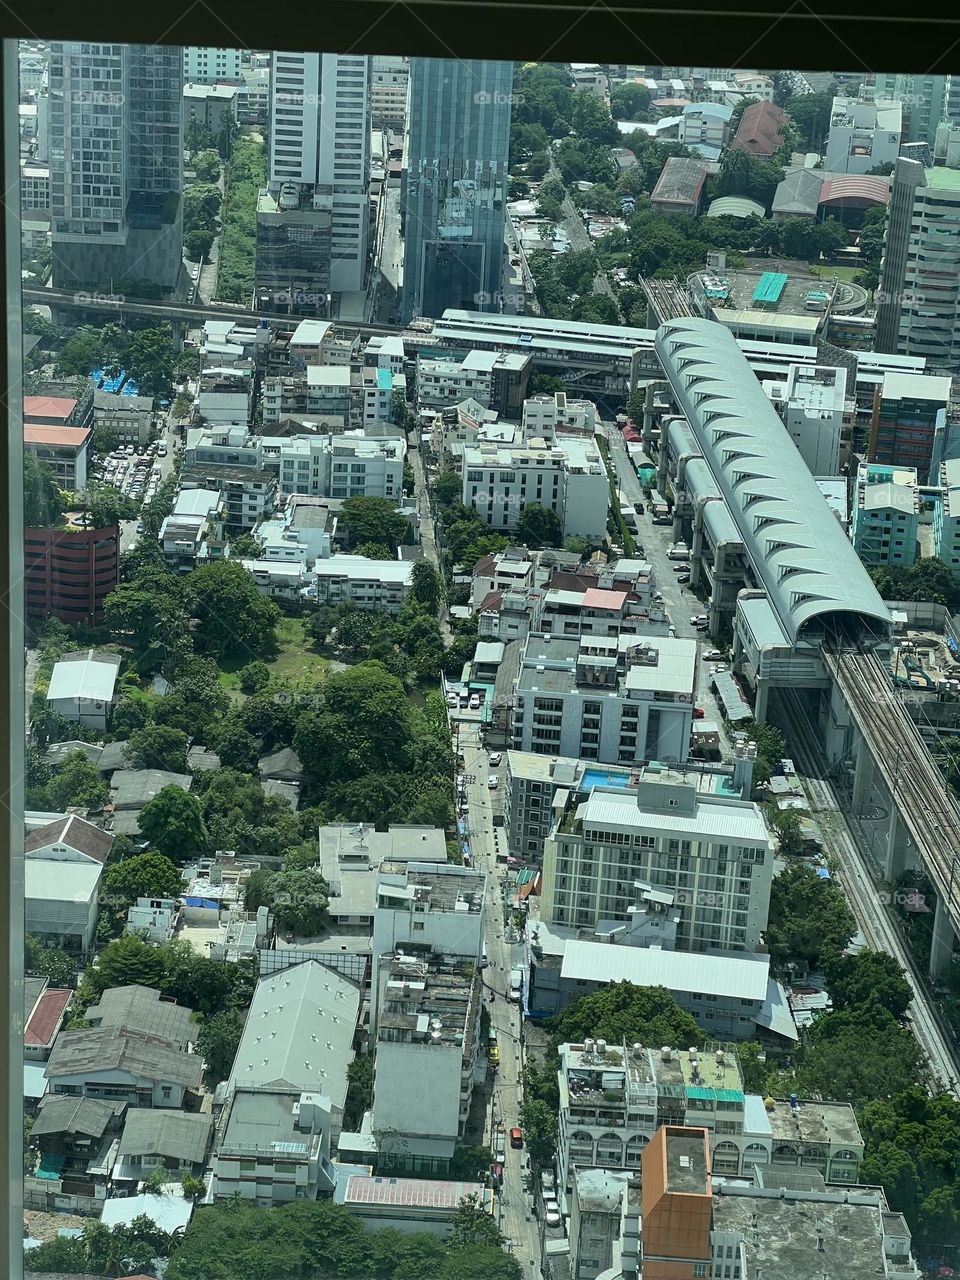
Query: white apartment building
x,y
707,854
614,1097
342,466
193,532
227,446
753,85
278,579
320,143
705,124
946,516
34,185
568,477
205,65
317,342
385,351
304,532
225,396
616,700
367,584
813,405
389,78
375,397
549,415
495,379
863,135
517,569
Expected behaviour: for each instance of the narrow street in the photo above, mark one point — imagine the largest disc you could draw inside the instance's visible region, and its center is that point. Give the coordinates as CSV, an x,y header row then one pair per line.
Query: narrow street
x,y
428,536
579,237
515,1206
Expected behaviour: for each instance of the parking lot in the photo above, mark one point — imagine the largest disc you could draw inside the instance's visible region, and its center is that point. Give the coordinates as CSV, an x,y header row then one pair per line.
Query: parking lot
x,y
136,473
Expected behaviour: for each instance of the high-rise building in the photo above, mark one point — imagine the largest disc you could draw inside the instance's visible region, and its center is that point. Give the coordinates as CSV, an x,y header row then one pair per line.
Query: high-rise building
x,y
116,164
454,185
918,311
924,102
313,221
204,65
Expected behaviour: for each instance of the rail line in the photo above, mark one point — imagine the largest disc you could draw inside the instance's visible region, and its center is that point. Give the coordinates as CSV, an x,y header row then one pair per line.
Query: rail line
x,y
916,786
877,928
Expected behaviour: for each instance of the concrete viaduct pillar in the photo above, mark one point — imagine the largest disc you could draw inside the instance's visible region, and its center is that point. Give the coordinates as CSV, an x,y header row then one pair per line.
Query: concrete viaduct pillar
x,y
941,945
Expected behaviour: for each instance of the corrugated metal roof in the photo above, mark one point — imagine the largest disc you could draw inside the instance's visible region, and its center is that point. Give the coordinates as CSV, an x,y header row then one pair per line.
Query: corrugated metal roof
x,y
738,977
798,548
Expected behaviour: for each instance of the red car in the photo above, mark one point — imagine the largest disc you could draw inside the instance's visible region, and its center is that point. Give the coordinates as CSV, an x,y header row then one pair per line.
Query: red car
x,y
698,713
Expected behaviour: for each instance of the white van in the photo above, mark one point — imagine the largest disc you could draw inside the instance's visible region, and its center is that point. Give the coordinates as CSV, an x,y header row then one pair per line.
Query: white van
x,y
515,992
679,552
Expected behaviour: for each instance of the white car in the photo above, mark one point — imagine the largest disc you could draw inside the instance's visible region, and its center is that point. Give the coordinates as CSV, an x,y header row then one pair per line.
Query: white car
x,y
697,618
495,759
474,702
551,1213
493,782
452,700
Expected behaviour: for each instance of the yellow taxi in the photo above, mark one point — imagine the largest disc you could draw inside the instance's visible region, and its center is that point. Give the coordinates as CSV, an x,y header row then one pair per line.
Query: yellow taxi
x,y
493,1053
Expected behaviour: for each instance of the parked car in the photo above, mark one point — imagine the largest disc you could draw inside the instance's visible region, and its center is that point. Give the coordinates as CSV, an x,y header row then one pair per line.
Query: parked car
x,y
495,758
638,508
697,618
516,1138
474,703
683,579
548,1184
493,1053
452,700
551,1213
493,782
698,713
139,526
714,655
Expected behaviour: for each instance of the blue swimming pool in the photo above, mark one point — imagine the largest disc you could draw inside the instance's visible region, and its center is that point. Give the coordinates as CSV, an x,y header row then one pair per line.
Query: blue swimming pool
x,y
601,778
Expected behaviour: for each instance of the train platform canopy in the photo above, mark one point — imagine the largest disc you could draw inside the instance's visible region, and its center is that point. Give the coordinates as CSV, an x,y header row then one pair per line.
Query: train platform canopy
x,y
807,566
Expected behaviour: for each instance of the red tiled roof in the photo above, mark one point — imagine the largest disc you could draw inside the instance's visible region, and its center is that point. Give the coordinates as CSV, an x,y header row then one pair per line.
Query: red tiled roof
x,y
492,602
57,408
596,598
51,433
760,130
45,1019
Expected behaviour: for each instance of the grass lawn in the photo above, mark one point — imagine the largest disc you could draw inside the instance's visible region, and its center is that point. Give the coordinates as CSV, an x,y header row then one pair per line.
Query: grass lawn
x,y
298,657
827,273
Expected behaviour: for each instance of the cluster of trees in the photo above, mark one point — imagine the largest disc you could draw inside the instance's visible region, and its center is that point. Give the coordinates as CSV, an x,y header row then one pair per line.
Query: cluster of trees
x,y
771,749
43,501
147,355
202,204
808,917
75,782
197,137
375,527
246,174
107,1251
871,246
926,579
467,537
912,1152
319,1240
409,644
564,285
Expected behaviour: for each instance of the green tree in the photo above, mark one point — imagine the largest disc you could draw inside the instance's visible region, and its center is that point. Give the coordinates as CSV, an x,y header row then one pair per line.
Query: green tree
x,y
298,899
870,977
859,1054
810,114
447,488
49,962
550,198
787,826
42,503
245,547
77,783
625,1012
807,916
148,609
145,875
201,208
539,526
539,1126
375,551
218,1040
359,1090
473,1226
150,360
254,677
233,618
236,747
207,166
157,746
426,587
629,101
172,822
197,244
123,963
373,520
108,506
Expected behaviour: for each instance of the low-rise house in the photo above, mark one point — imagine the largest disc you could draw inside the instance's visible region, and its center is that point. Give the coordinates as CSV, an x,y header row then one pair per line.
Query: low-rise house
x,y
44,1008
408,1204
83,686
368,584
61,902
193,532
141,1009
71,839
283,764
176,1142
77,1130
132,788
153,919
111,1062
129,418
278,579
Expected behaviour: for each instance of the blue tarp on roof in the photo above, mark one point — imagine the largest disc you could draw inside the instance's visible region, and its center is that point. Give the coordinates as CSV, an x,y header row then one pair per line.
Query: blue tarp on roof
x,y
211,904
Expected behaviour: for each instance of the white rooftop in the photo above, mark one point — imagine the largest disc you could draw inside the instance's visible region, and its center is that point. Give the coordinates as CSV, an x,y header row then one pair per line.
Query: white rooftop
x,y
713,817
167,1209
328,375
363,569
310,333
47,881
91,676
196,502
916,386
743,977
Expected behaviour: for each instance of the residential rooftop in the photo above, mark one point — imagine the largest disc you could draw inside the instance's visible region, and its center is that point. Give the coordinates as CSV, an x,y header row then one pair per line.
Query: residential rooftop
x,y
814,1121
139,1008
687,1167
176,1135
111,1048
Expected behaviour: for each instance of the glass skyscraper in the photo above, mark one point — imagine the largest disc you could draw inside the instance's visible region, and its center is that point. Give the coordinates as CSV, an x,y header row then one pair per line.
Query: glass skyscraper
x,y
116,164
454,185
